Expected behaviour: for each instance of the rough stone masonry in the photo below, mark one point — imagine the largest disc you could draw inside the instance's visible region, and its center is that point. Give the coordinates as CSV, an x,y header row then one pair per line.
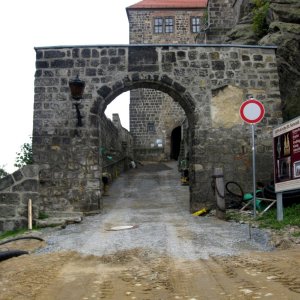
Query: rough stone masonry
x,y
208,82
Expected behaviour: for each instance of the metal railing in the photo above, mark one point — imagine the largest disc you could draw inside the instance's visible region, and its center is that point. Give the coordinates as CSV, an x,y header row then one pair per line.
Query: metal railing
x,y
115,168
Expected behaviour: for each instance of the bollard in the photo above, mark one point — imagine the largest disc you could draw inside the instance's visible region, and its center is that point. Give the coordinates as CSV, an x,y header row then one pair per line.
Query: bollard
x,y
29,214
220,193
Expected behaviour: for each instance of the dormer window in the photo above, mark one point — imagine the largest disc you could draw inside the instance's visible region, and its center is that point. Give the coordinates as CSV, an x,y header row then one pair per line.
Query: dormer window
x,y
163,25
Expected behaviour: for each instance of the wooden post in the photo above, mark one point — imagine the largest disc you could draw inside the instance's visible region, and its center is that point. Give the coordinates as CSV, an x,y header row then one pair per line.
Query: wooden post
x,y
29,214
220,193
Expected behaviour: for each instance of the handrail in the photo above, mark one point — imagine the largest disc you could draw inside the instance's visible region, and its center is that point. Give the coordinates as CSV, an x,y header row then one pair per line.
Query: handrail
x,y
115,162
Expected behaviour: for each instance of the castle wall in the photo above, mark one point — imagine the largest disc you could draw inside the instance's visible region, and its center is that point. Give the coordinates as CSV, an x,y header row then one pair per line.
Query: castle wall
x,y
208,82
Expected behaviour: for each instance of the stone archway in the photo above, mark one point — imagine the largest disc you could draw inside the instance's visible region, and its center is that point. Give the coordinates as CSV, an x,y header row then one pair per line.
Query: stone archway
x,y
194,76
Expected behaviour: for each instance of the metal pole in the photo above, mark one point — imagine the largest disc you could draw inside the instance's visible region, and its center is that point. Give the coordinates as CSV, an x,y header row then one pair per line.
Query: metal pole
x,y
253,169
279,207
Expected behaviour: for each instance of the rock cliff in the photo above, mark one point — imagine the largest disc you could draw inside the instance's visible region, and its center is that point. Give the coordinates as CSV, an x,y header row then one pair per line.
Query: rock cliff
x,y
282,22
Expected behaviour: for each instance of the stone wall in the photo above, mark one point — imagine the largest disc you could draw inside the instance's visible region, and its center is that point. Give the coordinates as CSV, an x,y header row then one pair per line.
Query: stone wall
x,y
116,146
28,182
15,191
222,19
153,116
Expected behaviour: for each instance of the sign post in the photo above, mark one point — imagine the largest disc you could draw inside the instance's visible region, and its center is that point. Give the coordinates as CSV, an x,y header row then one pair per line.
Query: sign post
x,y
252,112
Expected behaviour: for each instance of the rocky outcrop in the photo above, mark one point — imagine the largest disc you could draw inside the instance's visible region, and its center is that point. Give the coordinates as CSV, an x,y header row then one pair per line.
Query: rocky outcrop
x,y
283,20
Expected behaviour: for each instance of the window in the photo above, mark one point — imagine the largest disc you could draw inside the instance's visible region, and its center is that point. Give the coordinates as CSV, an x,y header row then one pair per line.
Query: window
x,y
151,127
169,25
164,25
195,24
158,25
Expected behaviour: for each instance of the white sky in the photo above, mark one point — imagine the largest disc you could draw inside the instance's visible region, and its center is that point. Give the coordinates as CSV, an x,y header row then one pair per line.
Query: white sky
x,y
26,24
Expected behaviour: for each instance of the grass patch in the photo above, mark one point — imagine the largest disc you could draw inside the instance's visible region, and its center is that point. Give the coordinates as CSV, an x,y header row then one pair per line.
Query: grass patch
x,y
291,217
13,233
43,215
237,216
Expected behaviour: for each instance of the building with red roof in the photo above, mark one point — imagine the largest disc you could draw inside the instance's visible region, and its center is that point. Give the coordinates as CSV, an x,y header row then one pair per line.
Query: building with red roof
x,y
155,118
170,4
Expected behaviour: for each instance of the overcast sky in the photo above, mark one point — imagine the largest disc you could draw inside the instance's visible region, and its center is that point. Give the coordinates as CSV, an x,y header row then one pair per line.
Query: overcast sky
x,y
26,24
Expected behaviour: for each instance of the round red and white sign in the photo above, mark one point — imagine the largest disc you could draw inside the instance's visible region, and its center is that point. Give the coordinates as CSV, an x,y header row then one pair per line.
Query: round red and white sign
x,y
252,111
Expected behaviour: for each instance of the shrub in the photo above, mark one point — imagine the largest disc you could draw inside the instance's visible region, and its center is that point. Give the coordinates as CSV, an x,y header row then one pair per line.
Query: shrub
x,y
260,24
25,156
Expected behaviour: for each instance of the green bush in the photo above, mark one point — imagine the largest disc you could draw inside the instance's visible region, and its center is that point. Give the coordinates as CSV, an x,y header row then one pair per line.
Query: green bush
x,y
260,25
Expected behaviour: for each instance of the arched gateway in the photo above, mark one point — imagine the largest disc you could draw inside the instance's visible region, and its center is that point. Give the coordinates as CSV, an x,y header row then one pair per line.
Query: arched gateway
x,y
208,81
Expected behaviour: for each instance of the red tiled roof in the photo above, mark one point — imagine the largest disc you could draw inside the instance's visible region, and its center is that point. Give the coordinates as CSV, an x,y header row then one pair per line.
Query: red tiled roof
x,y
170,4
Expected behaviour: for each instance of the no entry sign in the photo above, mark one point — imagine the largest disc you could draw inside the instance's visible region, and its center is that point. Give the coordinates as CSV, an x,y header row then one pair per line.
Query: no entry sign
x,y
252,111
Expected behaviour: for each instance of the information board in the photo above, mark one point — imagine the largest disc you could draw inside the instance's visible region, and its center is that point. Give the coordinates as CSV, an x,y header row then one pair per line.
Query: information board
x,y
286,145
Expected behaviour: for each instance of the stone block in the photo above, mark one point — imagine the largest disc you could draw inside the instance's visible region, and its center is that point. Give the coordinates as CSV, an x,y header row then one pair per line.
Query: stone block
x,y
29,185
142,56
6,182
9,198
17,175
7,211
91,72
42,64
218,65
104,91
54,54
7,224
62,63
33,196
86,53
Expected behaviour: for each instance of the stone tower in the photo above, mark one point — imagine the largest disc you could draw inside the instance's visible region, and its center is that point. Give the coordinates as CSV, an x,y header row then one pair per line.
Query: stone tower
x,y
155,118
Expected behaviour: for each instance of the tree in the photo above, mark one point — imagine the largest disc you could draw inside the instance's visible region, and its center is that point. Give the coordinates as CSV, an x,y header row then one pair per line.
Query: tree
x,y
3,173
25,156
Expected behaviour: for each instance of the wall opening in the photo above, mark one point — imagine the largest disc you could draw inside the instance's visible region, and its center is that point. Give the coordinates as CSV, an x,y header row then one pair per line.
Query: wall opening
x,y
120,106
175,143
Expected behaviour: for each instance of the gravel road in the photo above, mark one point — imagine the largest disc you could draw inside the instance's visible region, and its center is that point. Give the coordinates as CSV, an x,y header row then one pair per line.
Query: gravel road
x,y
152,200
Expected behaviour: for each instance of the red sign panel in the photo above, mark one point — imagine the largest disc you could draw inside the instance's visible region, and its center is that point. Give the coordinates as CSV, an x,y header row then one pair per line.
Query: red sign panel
x,y
287,156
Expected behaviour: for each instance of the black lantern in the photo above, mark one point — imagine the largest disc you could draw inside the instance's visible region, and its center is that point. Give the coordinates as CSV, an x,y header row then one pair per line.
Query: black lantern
x,y
77,88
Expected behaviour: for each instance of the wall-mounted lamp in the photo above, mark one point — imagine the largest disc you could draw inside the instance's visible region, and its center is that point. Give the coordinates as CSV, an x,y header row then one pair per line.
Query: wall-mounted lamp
x,y
77,88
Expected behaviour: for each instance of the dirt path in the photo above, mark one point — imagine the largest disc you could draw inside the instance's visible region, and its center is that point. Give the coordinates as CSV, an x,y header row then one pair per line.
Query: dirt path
x,y
139,274
168,255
